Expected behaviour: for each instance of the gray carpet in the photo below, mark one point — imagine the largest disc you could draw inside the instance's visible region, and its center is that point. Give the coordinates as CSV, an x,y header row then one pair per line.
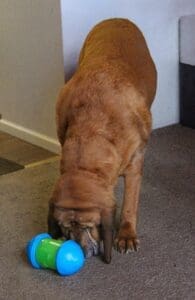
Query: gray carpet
x,y
162,269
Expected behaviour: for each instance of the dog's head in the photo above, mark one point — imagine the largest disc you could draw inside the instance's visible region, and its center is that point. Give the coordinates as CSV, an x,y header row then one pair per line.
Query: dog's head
x,y
76,212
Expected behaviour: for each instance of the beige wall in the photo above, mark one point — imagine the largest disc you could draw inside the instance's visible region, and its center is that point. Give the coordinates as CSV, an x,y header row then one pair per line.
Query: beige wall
x,y
31,69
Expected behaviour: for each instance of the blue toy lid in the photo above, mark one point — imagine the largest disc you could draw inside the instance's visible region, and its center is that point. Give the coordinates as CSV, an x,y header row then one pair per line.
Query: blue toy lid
x,y
70,258
31,248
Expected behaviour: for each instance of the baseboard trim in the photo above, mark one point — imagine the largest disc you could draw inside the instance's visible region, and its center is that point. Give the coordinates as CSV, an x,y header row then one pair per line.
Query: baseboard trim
x,y
30,136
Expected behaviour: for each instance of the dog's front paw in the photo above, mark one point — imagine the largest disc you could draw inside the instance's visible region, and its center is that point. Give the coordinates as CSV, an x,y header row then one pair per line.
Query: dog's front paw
x,y
126,239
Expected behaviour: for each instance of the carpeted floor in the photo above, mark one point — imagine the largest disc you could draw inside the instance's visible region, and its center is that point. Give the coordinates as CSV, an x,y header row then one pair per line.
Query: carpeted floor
x,y
162,269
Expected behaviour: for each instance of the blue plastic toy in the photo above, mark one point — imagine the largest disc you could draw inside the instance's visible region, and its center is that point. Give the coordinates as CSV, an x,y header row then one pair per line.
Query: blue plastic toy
x,y
64,256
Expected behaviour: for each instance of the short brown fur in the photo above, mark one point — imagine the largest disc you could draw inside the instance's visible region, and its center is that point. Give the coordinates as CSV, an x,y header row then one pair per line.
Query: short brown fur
x,y
103,124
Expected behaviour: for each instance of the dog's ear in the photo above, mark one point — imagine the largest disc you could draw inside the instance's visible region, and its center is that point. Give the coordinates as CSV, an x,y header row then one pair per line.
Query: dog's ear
x,y
53,227
107,222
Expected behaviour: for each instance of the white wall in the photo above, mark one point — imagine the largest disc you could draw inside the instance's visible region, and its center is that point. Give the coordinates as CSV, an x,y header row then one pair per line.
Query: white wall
x,y
187,40
31,69
158,19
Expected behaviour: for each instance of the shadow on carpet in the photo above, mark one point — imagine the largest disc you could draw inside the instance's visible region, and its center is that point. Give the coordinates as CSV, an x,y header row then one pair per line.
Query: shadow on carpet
x,y
7,166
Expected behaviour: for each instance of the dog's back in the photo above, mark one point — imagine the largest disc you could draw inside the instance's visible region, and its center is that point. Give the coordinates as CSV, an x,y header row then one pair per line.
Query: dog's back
x,y
118,47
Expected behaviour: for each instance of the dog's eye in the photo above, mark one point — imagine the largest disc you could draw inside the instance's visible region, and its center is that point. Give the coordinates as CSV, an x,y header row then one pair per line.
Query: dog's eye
x,y
60,208
66,225
86,225
83,226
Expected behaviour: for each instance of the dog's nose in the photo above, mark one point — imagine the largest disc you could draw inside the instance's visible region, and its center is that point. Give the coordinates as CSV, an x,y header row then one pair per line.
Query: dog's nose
x,y
91,249
92,246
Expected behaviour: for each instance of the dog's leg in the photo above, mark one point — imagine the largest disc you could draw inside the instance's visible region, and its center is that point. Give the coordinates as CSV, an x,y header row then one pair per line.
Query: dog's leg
x,y
126,239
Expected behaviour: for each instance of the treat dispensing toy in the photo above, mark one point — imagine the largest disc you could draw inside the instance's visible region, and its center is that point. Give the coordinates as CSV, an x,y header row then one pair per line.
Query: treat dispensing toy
x,y
64,256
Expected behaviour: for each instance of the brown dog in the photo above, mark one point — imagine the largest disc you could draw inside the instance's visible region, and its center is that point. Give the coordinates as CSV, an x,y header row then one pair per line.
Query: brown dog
x,y
103,124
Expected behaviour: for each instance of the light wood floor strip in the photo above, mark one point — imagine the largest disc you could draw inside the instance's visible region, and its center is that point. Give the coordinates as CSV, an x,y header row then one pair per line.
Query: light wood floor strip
x,y
42,162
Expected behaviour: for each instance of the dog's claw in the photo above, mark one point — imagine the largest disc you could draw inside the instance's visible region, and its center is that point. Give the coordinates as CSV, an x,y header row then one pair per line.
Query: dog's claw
x,y
126,245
